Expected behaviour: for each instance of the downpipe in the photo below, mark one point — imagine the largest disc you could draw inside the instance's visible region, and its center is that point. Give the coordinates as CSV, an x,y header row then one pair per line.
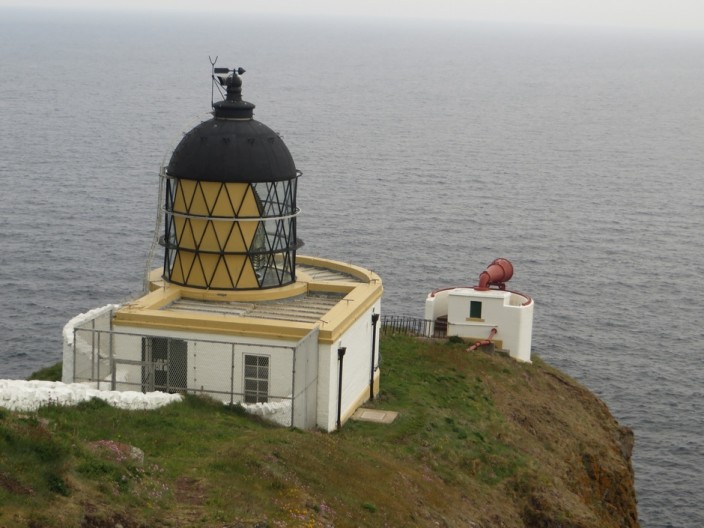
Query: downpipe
x,y
375,320
340,358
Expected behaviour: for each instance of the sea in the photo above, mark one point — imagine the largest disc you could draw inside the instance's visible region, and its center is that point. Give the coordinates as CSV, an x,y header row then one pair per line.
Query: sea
x,y
427,149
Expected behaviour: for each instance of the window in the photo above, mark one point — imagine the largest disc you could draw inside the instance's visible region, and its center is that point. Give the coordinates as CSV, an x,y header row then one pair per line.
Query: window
x,y
256,379
475,309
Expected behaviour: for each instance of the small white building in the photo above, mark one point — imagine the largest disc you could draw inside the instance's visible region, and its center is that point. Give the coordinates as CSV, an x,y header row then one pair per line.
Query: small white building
x,y
483,314
234,312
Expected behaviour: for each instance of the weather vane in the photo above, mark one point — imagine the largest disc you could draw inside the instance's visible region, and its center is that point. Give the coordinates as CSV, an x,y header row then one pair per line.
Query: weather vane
x,y
224,77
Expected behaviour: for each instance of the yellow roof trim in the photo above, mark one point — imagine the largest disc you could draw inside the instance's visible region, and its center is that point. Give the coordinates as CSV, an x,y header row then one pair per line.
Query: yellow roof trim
x,y
360,273
225,325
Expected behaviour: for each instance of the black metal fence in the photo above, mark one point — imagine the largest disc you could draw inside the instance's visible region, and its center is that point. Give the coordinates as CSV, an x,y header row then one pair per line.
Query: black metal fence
x,y
403,324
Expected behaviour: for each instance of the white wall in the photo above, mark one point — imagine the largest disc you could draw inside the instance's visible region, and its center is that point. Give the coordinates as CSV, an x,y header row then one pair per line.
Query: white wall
x,y
209,364
209,361
356,371
436,305
95,319
501,310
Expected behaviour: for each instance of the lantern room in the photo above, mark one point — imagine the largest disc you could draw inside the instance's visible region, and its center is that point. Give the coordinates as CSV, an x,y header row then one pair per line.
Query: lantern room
x,y
230,201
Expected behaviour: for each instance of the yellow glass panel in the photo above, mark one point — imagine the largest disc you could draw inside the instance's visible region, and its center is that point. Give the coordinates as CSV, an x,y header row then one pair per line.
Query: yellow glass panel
x,y
236,192
220,200
184,237
248,278
198,227
236,243
181,266
235,263
184,192
209,263
210,193
249,229
209,241
197,278
221,278
226,240
251,205
198,205
223,206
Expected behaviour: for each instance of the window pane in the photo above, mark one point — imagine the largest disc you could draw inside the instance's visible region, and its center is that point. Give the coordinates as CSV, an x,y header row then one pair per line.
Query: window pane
x,y
475,309
256,379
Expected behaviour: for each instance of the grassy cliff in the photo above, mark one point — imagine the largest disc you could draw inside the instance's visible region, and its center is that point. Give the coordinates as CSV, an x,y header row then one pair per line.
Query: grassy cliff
x,y
481,441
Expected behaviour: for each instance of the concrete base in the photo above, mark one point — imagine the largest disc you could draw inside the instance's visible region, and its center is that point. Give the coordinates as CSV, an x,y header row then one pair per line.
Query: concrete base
x,y
374,415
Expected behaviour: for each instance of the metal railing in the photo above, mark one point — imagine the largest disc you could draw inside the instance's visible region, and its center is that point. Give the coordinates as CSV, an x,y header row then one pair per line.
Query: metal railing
x,y
415,326
281,386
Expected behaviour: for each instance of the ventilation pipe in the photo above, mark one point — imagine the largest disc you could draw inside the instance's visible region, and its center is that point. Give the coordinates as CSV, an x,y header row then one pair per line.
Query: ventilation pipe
x,y
497,274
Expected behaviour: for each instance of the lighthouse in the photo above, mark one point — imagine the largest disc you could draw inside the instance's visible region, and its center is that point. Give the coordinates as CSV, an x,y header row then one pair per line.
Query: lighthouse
x,y
235,313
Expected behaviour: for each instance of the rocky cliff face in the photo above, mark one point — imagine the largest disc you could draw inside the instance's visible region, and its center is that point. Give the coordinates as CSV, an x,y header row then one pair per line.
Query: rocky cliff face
x,y
585,453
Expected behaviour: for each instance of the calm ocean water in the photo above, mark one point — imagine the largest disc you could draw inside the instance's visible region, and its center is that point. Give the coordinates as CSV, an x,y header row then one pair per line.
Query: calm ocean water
x,y
426,152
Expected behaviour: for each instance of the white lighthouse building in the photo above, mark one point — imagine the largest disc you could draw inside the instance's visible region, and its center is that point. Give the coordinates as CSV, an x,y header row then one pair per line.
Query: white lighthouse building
x,y
235,313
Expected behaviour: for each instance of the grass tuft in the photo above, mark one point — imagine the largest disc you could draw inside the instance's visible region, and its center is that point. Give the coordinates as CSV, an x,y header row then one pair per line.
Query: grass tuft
x,y
51,373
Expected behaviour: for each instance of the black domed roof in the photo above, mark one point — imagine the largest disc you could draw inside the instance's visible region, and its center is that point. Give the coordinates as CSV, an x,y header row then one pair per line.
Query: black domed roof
x,y
228,150
232,146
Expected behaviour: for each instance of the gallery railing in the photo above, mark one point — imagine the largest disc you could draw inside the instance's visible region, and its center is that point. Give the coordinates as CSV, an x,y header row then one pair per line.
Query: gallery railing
x,y
415,326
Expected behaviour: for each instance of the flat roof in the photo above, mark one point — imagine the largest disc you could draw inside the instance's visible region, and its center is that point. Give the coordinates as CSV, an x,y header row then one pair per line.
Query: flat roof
x,y
307,308
319,273
327,294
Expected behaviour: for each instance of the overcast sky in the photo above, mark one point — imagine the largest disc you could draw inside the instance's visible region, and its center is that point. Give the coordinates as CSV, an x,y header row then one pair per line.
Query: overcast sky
x,y
662,14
